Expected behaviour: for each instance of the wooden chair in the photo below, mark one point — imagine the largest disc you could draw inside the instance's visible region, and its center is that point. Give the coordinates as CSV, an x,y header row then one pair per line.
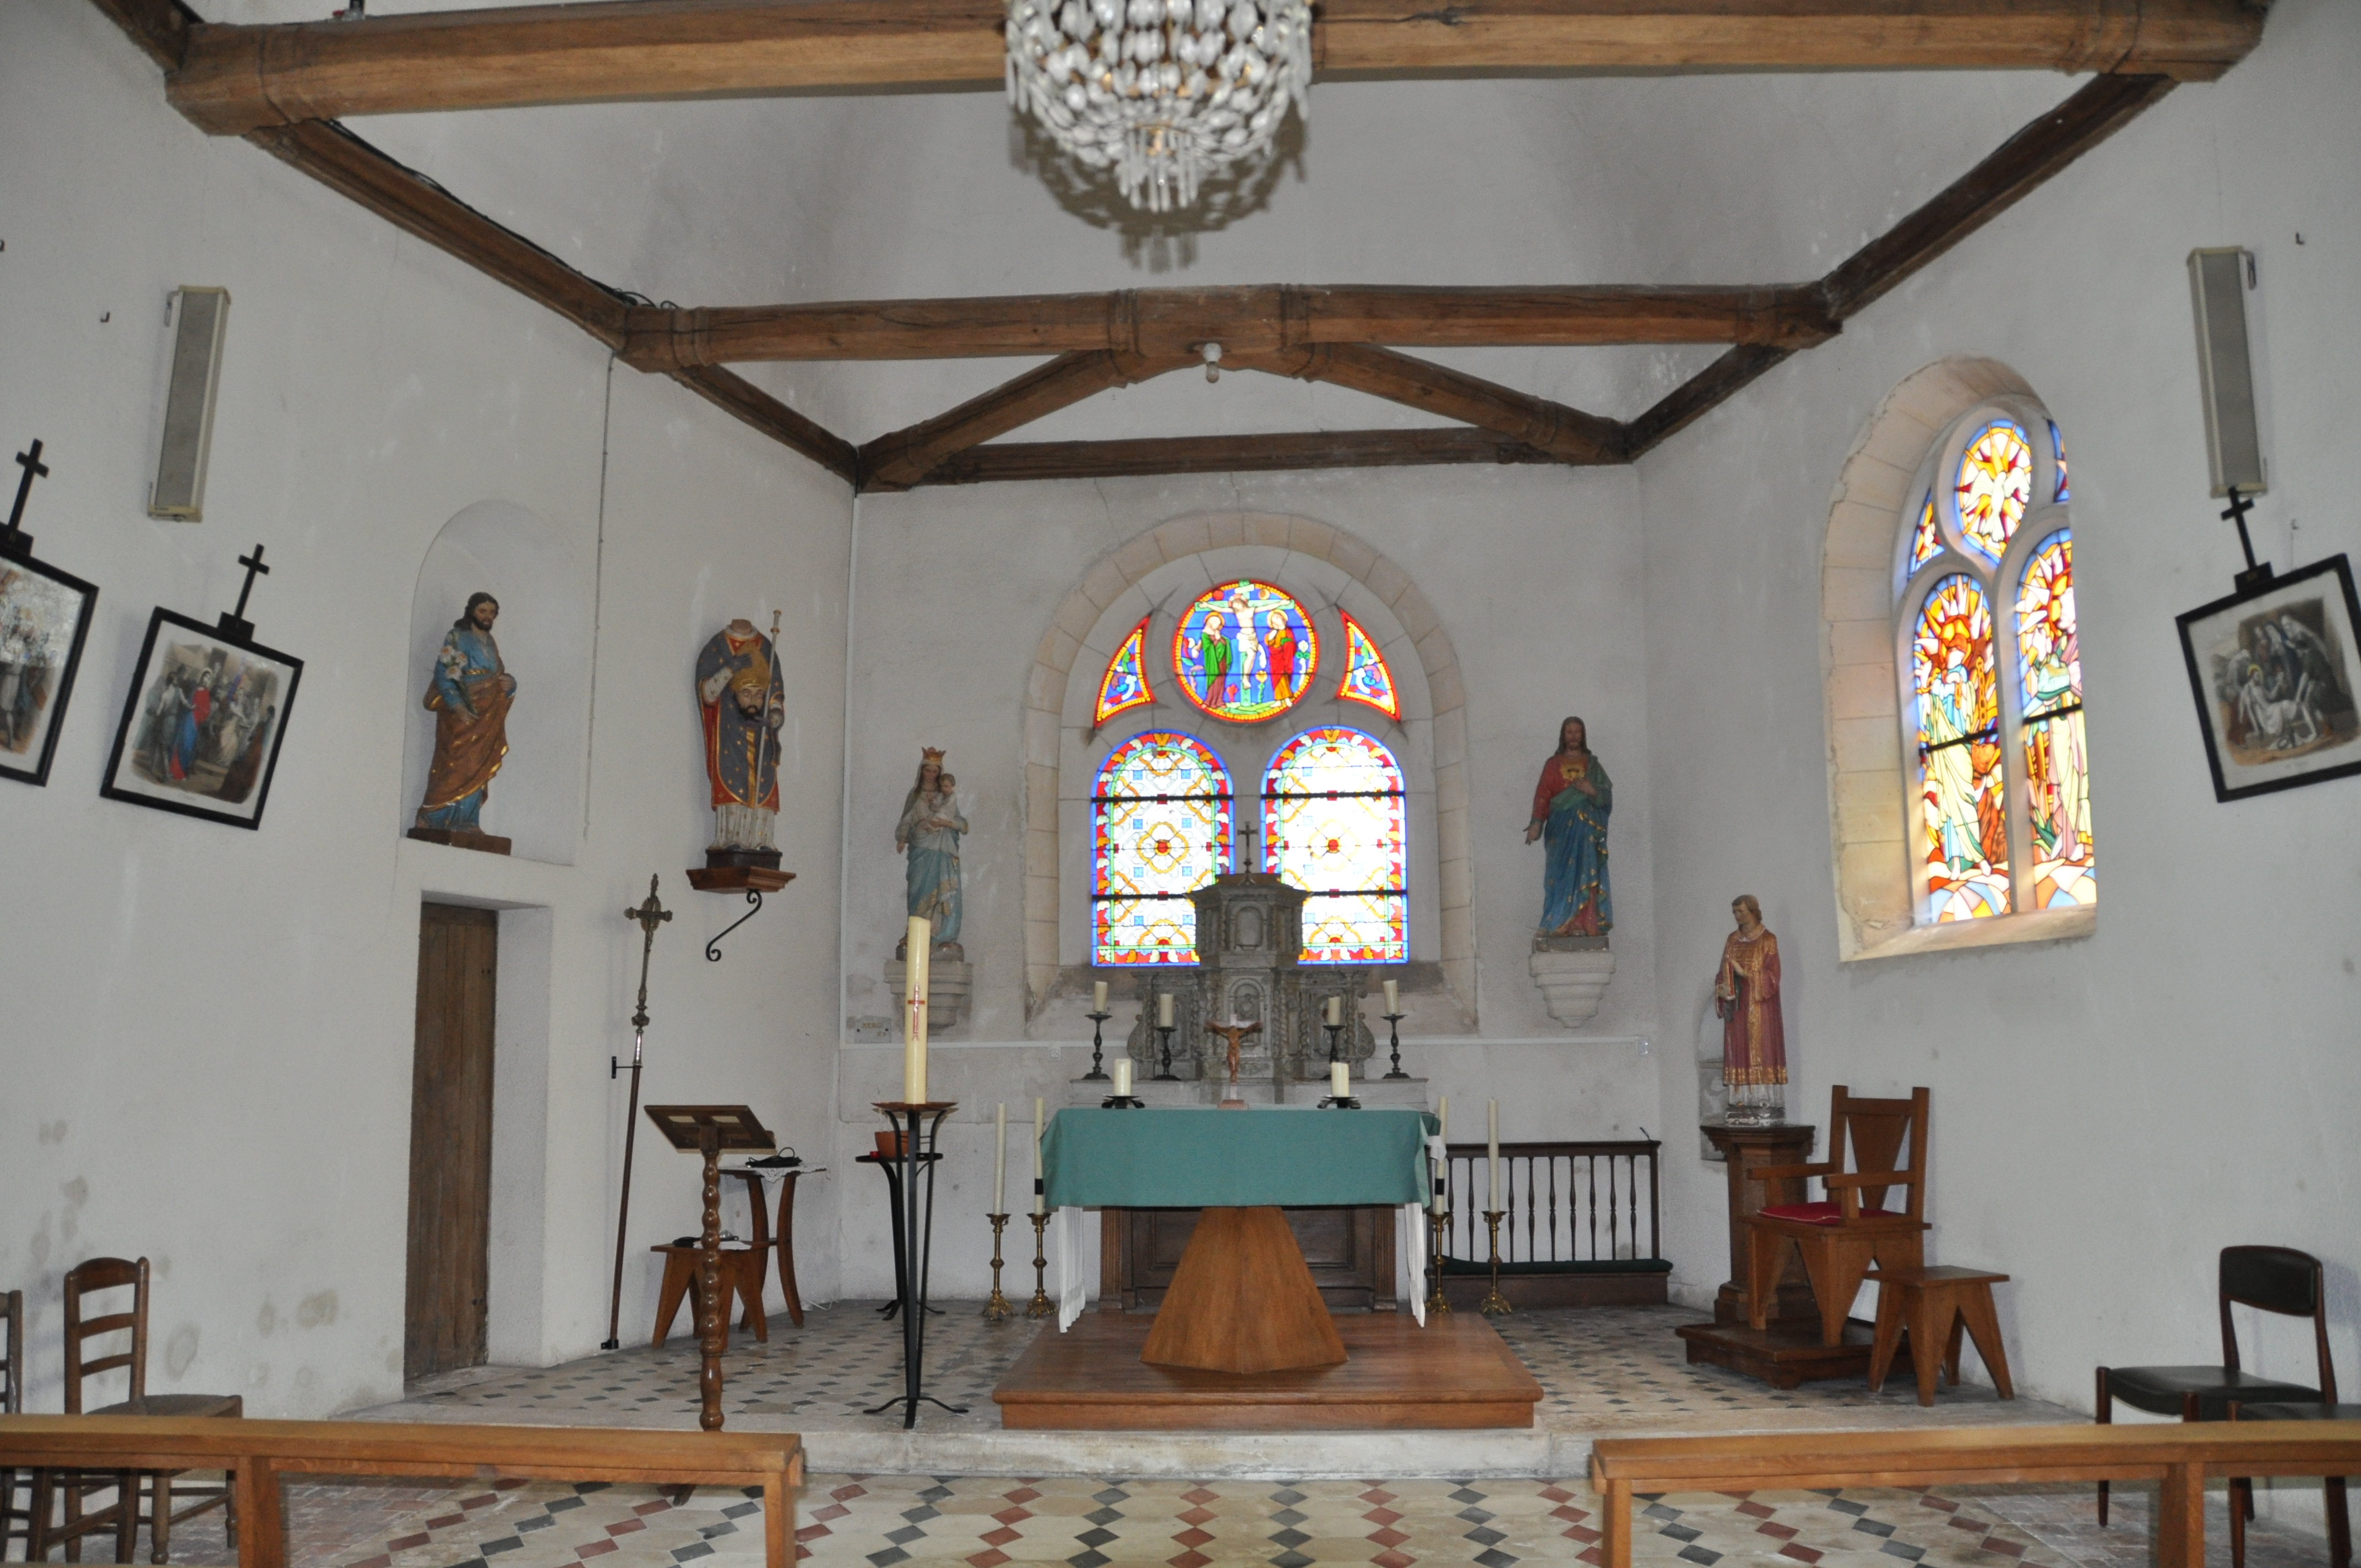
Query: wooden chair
x,y
122,1517
2268,1278
16,1516
1840,1236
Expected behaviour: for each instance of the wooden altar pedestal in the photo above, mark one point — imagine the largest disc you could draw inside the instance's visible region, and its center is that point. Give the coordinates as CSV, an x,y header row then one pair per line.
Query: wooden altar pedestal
x,y
1786,1351
1243,1300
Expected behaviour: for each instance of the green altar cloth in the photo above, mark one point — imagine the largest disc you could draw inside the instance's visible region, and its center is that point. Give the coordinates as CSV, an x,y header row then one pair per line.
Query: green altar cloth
x,y
1209,1159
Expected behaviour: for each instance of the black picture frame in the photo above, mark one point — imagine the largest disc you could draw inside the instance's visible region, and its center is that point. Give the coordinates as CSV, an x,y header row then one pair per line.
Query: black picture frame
x,y
205,767
2275,673
33,691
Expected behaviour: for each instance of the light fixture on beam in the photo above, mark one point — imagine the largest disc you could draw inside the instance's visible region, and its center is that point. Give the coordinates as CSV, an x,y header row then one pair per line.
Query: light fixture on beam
x,y
1162,91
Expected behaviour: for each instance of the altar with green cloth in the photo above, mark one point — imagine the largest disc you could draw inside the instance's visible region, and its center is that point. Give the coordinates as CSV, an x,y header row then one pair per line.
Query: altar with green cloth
x,y
1204,1158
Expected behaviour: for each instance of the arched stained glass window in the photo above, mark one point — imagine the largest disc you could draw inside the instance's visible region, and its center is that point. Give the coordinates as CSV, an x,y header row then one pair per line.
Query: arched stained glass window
x,y
1245,652
1963,814
1925,540
1124,684
1367,679
1160,819
2056,774
1994,485
2058,449
1334,826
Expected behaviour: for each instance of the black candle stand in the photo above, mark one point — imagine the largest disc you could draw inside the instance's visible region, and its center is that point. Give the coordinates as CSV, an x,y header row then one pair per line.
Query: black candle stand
x,y
1336,1034
1123,1102
1166,1074
1097,1073
1330,1103
1393,1036
917,1244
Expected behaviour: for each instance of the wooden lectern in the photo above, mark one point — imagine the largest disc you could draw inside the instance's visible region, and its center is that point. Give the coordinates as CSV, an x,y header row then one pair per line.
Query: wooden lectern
x,y
708,1130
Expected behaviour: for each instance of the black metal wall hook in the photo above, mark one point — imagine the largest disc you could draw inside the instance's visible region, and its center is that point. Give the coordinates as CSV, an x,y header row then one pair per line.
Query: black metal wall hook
x,y
713,947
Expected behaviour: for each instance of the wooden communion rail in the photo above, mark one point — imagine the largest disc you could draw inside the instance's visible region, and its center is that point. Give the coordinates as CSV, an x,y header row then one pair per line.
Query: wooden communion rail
x,y
259,1452
2182,1457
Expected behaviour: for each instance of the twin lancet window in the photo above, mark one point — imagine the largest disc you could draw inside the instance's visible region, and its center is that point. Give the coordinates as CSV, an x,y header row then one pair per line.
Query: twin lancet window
x,y
1999,772
1331,809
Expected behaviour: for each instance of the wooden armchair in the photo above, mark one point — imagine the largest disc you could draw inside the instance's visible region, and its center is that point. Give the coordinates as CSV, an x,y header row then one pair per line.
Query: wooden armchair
x,y
1840,1236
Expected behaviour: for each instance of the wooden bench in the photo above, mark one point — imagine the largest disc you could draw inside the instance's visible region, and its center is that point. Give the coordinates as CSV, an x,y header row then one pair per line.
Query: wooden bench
x,y
2180,1456
259,1452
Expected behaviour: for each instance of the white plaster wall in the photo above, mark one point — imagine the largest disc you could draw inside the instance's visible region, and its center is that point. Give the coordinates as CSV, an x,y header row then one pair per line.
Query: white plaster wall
x,y
2108,1113
207,1037
1535,574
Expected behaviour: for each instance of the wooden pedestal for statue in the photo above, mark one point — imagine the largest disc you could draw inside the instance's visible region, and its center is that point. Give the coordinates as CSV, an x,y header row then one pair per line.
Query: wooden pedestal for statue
x,y
462,839
1788,1351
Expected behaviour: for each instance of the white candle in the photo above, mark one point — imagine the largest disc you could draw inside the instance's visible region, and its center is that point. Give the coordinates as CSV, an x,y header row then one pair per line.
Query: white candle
x,y
1123,1078
1000,1159
1335,1011
1040,1134
1443,1135
1098,996
1340,1080
1492,1148
919,947
1393,996
1164,1011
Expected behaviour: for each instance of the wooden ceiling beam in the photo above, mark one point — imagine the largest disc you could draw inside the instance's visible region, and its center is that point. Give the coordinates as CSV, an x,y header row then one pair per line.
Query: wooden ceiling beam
x,y
1167,322
233,77
742,400
1229,455
1567,433
901,459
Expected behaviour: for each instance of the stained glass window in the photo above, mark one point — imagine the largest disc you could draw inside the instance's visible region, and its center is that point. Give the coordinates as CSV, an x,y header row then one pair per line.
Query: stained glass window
x,y
2058,450
1159,829
1925,540
1366,678
1124,684
1333,825
1962,807
2056,774
1245,651
1993,485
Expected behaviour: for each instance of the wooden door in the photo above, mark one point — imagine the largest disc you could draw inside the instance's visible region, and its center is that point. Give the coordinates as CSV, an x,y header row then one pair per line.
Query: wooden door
x,y
450,1141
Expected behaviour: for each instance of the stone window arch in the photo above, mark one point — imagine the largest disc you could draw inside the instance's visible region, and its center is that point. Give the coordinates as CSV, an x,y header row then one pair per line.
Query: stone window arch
x,y
1153,578
1958,768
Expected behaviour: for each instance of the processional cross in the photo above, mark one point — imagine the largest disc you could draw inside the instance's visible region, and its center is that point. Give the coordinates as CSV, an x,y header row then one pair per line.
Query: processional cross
x,y
649,914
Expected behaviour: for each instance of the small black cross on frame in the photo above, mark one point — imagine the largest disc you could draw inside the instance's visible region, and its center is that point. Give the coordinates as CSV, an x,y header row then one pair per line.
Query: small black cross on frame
x,y
235,623
2257,573
14,540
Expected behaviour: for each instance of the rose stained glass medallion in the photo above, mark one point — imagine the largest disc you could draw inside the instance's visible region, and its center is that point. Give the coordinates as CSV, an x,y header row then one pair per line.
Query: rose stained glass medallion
x,y
1925,540
2058,450
1245,652
1956,703
1124,684
1334,824
1993,486
1160,818
2056,772
1367,679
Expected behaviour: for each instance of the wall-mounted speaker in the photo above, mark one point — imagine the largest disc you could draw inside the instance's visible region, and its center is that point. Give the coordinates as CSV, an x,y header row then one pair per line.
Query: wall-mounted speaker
x,y
199,318
2218,281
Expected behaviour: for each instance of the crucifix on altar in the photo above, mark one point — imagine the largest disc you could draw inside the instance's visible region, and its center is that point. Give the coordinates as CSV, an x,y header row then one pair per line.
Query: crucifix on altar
x,y
1234,1033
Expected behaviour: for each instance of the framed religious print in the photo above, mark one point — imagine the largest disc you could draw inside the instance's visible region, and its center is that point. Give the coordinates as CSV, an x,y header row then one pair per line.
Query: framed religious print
x,y
44,619
2276,670
202,723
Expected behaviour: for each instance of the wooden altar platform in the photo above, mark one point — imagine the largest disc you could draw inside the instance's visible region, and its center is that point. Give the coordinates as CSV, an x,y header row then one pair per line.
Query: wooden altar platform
x,y
1457,1373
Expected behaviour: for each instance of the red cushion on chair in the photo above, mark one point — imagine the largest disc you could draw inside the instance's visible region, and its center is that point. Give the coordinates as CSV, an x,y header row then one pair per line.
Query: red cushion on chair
x,y
1822,1213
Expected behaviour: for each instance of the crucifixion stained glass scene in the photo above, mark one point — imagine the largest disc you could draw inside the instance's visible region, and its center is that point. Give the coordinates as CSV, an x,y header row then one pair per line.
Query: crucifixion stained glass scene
x,y
1245,651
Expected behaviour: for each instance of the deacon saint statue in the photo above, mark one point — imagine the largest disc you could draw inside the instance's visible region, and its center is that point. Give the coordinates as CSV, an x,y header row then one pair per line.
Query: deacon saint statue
x,y
742,696
470,694
1753,1041
928,835
1571,805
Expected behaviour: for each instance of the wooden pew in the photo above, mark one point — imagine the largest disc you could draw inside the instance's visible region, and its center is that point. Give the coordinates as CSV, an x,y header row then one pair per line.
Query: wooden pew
x,y
2180,1456
261,1451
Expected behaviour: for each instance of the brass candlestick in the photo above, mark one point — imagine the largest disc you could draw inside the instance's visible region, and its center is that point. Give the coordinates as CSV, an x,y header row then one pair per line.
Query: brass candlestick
x,y
997,1308
1436,1301
1040,1306
1495,1304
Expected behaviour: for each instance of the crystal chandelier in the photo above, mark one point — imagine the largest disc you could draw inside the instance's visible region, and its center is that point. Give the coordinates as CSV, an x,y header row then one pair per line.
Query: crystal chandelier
x,y
1162,91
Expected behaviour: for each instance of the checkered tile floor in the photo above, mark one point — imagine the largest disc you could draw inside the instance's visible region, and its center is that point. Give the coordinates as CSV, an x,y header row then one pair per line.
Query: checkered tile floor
x,y
846,1521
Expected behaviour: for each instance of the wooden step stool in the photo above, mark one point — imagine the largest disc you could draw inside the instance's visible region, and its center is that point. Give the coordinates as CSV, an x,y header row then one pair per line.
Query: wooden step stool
x,y
1935,1304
